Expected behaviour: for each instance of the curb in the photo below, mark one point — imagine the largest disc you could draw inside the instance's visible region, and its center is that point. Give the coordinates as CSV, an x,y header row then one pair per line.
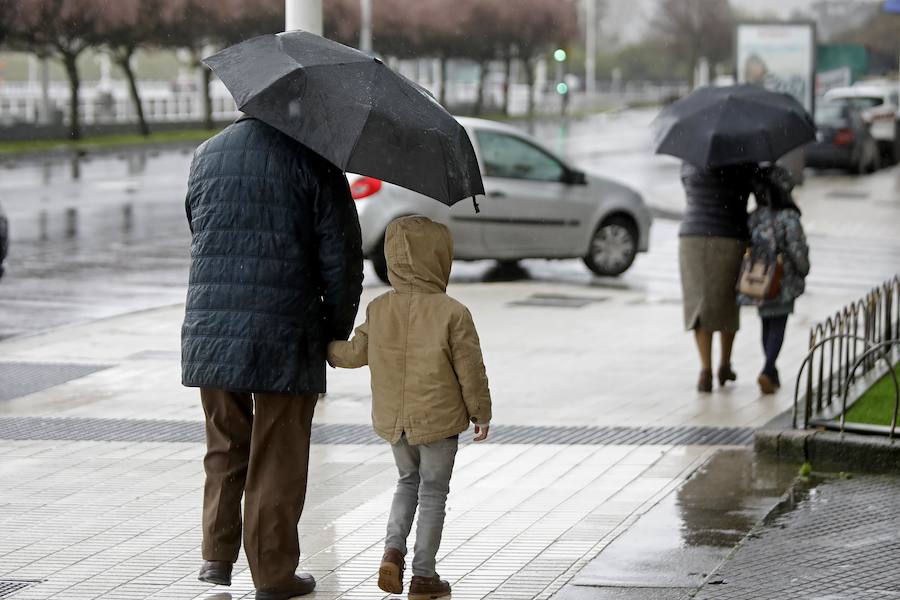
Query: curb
x,y
830,450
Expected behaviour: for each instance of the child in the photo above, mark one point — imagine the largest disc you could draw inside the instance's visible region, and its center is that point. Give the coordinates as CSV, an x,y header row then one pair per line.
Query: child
x,y
428,382
775,228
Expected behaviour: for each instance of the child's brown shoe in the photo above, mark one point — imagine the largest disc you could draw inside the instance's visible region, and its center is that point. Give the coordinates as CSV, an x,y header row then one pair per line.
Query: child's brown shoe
x,y
428,588
390,574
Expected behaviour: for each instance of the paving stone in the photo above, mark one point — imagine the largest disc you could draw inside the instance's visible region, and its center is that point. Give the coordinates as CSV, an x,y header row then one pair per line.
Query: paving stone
x,y
841,541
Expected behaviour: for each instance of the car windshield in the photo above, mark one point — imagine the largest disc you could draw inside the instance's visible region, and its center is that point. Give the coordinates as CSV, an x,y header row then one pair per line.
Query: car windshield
x,y
833,114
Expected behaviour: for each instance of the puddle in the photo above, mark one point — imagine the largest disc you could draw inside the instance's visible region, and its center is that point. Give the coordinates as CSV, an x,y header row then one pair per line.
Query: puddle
x,y
678,542
726,497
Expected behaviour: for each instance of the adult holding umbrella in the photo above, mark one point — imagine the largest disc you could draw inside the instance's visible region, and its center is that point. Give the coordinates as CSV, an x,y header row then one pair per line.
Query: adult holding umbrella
x,y
276,270
722,134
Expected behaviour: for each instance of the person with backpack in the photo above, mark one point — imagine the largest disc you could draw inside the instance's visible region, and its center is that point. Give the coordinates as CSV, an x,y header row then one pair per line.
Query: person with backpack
x,y
776,235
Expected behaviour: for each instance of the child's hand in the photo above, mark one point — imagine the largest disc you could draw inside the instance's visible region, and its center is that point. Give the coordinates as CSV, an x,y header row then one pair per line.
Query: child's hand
x,y
481,432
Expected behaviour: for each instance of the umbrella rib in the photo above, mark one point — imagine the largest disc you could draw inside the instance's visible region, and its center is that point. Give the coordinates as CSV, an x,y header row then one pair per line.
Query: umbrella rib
x,y
719,117
362,128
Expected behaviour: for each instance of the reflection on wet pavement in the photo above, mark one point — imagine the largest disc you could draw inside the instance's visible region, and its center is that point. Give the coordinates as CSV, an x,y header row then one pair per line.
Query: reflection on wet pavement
x,y
682,539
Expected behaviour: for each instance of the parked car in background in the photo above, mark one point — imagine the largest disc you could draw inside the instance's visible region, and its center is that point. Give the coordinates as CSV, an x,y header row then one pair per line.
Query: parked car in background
x,y
4,239
879,104
843,139
536,206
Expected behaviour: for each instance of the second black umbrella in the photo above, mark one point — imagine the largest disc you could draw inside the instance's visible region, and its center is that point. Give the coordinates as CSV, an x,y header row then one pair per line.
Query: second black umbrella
x,y
720,126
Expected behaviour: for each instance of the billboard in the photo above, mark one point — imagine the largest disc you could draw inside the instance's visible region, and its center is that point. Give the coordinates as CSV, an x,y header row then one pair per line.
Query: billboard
x,y
779,56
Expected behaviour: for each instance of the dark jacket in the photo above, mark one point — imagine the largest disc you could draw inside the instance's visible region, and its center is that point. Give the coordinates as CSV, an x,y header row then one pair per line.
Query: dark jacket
x,y
716,201
276,263
776,232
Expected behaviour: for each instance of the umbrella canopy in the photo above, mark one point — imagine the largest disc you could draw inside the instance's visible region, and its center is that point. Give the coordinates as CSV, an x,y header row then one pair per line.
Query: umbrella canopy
x,y
353,110
720,126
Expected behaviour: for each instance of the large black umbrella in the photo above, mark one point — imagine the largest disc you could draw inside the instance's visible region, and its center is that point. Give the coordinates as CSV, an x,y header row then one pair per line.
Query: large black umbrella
x,y
719,126
353,110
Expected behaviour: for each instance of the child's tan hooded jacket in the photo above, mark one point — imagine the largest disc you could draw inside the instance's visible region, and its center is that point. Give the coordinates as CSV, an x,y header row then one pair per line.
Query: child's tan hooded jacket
x,y
428,376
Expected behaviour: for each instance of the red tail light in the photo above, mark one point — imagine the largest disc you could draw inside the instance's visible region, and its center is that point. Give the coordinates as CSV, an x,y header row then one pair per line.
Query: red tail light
x,y
365,187
843,137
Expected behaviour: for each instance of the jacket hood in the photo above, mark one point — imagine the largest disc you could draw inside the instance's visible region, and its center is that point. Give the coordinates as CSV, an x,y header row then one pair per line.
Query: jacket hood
x,y
419,254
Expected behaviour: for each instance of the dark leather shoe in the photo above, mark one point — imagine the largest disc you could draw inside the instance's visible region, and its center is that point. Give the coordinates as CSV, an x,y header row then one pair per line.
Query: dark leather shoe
x,y
766,384
428,588
704,382
303,584
390,573
726,374
217,572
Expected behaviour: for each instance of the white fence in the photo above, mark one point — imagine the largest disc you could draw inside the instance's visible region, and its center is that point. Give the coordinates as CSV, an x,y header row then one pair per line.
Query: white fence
x,y
164,101
21,102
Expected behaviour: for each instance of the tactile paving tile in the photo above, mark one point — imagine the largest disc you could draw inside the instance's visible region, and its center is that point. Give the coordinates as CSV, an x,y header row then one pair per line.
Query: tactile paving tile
x,y
8,587
19,379
133,430
843,541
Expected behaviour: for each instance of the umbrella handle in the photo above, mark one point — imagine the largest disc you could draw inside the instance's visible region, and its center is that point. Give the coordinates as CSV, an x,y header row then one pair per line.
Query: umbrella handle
x,y
475,203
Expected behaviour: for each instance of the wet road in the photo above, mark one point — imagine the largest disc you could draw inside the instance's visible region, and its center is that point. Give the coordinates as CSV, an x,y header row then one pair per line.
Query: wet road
x,y
105,235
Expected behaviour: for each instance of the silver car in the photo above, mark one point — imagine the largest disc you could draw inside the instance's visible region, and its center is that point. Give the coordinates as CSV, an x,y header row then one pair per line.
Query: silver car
x,y
536,206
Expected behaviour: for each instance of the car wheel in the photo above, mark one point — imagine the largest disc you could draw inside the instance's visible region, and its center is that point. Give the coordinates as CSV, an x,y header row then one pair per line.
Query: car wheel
x,y
380,263
613,247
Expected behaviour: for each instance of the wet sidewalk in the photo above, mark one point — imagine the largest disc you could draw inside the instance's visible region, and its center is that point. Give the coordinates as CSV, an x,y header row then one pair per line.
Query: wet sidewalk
x,y
101,448
90,519
839,539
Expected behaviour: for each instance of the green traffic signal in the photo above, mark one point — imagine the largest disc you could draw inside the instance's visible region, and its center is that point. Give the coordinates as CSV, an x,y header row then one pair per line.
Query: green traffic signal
x,y
562,89
559,55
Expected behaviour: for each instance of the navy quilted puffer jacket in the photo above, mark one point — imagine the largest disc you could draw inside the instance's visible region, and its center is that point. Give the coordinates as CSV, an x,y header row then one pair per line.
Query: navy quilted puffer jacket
x,y
276,263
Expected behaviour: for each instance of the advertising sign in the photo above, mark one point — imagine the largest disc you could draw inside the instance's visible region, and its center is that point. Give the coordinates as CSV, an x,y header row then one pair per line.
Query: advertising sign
x,y
779,56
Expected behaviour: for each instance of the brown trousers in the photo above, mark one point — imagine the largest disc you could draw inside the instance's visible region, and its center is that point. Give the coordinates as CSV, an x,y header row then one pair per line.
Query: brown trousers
x,y
256,446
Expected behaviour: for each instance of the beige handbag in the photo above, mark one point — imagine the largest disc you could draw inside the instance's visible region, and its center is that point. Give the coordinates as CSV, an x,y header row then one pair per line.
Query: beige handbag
x,y
760,279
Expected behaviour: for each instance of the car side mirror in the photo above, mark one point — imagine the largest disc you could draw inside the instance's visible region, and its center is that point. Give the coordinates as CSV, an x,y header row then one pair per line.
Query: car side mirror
x,y
575,177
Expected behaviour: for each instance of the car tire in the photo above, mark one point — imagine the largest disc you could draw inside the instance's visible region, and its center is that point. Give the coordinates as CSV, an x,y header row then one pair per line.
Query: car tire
x,y
613,247
379,262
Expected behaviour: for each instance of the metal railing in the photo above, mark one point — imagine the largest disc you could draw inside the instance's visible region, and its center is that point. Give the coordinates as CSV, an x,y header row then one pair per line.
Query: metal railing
x,y
849,345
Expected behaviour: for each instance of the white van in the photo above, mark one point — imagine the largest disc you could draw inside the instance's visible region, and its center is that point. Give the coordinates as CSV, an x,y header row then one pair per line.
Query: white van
x,y
879,103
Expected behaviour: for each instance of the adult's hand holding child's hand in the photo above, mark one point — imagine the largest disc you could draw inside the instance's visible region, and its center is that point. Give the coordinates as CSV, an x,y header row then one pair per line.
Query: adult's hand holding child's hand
x,y
481,432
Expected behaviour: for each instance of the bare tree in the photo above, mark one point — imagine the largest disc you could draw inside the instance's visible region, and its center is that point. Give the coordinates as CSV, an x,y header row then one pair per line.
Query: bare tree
x,y
198,25
342,21
8,12
879,33
484,39
539,25
695,29
396,28
124,27
62,29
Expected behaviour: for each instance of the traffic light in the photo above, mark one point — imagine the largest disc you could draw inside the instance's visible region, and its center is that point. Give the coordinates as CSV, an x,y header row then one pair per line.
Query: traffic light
x,y
559,55
562,88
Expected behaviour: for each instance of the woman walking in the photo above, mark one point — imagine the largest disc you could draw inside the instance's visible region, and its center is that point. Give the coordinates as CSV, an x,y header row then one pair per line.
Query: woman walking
x,y
712,240
775,229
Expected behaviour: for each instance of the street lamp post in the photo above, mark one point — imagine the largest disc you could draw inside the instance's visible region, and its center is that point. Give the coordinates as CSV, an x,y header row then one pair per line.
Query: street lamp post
x,y
303,14
365,26
590,47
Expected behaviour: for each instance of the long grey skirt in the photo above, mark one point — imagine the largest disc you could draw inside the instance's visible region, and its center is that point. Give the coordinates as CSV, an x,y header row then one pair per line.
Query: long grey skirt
x,y
710,267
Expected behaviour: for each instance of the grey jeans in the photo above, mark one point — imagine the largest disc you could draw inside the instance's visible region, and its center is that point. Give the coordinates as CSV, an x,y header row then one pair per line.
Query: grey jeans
x,y
424,481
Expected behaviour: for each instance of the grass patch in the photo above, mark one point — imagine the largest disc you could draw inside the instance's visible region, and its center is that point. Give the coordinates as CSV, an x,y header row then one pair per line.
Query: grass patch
x,y
105,141
876,406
